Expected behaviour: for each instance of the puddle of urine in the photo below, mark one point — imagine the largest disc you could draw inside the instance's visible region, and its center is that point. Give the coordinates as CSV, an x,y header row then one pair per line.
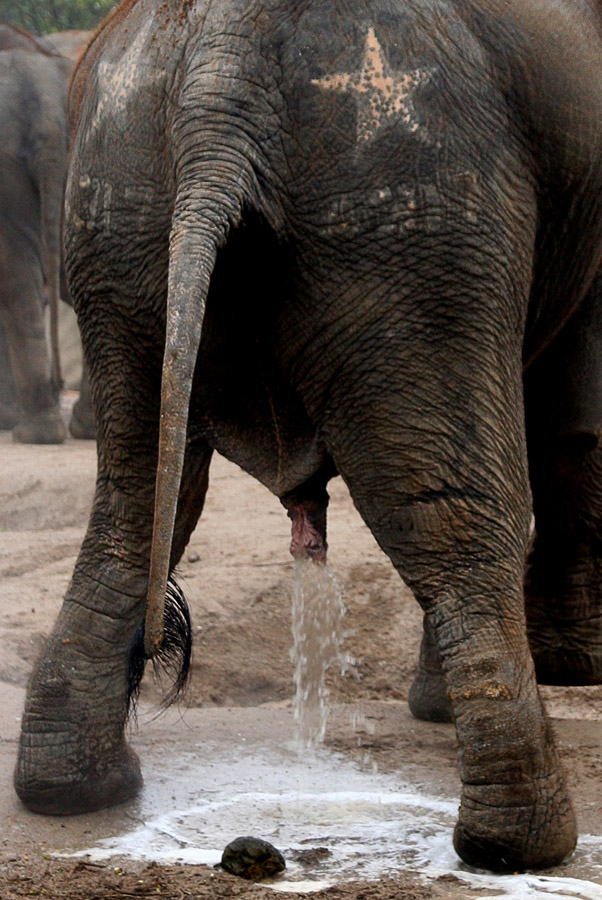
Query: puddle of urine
x,y
300,796
372,825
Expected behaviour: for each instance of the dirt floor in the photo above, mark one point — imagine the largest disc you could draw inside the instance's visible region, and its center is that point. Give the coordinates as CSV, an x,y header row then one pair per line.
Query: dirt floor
x,y
237,575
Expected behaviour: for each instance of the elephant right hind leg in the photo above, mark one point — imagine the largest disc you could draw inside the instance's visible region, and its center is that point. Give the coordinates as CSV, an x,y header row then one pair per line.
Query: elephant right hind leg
x,y
452,513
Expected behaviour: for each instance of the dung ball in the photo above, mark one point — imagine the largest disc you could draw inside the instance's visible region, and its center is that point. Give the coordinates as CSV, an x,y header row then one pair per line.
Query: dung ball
x,y
252,858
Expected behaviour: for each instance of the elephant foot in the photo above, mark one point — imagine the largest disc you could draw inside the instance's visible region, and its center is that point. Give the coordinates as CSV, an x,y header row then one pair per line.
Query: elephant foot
x,y
73,756
510,828
83,792
9,416
45,428
563,602
81,424
428,698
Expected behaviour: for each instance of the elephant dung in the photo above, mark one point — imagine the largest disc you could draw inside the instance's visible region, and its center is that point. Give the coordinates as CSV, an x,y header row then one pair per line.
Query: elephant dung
x,y
252,858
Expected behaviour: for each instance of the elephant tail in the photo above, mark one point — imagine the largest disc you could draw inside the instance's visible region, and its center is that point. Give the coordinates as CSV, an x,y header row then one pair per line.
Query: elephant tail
x,y
216,165
193,250
173,658
196,236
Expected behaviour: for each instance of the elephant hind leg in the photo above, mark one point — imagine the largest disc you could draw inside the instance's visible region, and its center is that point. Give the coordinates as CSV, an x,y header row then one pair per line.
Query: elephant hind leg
x,y
453,516
73,755
563,588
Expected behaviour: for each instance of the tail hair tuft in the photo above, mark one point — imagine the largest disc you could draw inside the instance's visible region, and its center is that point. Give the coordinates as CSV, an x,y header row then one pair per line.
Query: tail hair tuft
x,y
173,659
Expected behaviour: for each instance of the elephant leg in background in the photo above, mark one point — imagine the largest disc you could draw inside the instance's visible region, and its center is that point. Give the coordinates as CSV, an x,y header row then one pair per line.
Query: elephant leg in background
x,y
453,516
73,756
428,698
22,316
9,406
81,424
563,590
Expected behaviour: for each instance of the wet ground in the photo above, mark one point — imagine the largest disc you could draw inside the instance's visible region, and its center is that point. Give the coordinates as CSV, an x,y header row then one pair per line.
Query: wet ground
x,y
369,813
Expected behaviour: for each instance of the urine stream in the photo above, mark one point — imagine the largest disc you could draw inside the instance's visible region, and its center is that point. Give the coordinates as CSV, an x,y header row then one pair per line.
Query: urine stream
x,y
280,783
317,626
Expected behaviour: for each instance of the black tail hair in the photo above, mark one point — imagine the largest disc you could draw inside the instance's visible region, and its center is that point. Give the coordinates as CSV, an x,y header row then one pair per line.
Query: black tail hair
x,y
173,659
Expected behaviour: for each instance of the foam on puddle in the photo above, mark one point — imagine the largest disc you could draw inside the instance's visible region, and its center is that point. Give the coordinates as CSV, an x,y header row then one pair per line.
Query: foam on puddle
x,y
301,796
372,825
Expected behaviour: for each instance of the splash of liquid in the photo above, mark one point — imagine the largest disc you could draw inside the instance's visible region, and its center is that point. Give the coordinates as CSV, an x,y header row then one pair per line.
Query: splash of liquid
x,y
317,615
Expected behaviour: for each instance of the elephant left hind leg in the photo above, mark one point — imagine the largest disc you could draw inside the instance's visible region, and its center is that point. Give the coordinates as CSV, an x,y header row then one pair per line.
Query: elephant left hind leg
x,y
563,588
73,754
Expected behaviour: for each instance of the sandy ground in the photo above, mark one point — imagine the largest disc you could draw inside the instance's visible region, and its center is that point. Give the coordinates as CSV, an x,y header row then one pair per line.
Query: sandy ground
x,y
237,575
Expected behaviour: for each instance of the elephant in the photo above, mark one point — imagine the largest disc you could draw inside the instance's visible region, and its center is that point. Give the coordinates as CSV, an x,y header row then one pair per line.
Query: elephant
x,y
357,239
69,43
81,425
14,38
81,422
33,117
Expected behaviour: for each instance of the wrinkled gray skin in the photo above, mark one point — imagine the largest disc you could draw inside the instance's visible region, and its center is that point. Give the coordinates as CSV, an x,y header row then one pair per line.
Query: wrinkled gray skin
x,y
33,161
382,222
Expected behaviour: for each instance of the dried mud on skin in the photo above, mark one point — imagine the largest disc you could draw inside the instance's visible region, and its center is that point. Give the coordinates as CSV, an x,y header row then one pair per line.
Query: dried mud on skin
x,y
65,880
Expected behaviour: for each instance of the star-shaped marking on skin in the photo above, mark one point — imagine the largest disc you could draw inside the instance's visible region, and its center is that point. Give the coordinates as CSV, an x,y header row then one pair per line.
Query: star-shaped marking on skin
x,y
382,95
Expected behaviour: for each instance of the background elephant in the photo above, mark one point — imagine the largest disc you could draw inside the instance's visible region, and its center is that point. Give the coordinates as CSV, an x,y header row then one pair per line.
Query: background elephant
x,y
69,43
33,156
339,239
13,38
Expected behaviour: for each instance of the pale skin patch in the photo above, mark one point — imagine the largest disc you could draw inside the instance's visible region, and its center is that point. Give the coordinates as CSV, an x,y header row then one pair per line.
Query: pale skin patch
x,y
382,95
116,80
